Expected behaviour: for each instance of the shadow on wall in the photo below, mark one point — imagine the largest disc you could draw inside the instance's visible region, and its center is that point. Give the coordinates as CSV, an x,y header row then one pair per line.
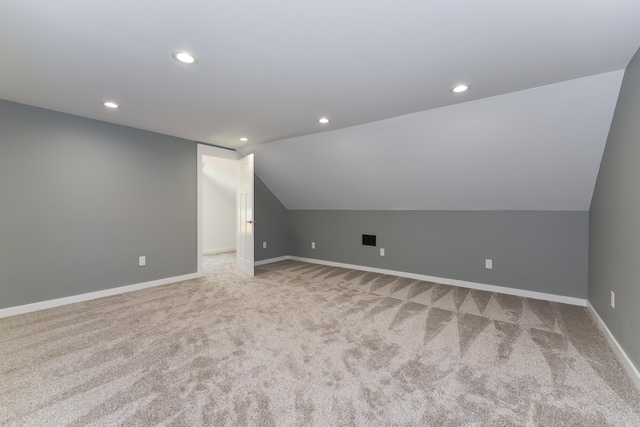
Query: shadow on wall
x,y
218,205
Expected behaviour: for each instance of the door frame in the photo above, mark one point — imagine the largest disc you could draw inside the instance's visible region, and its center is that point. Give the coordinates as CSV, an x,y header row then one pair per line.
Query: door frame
x,y
245,215
207,150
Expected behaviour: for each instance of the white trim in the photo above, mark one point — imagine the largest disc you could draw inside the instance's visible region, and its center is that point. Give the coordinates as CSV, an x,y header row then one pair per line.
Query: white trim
x,y
206,150
217,251
223,153
464,284
626,363
453,282
42,305
271,260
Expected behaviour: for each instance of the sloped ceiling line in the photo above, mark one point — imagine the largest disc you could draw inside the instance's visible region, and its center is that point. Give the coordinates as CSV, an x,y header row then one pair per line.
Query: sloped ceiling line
x,y
537,149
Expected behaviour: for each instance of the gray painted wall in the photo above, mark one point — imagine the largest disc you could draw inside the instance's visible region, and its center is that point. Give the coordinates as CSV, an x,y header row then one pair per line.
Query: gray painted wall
x,y
80,200
614,227
543,251
271,224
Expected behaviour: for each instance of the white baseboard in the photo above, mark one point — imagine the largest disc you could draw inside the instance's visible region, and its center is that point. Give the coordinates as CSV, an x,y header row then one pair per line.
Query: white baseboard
x,y
628,366
462,283
28,308
271,260
217,251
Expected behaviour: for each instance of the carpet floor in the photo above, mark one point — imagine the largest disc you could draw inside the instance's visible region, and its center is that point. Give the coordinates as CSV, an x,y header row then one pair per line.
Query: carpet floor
x,y
303,345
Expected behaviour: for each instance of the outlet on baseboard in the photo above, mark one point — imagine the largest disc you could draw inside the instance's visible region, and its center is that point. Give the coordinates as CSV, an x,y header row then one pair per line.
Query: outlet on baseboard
x,y
142,261
313,245
264,245
613,299
488,264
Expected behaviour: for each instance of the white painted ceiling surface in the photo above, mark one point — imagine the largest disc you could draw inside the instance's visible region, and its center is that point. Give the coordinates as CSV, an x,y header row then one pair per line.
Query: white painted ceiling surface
x,y
269,69
528,135
537,149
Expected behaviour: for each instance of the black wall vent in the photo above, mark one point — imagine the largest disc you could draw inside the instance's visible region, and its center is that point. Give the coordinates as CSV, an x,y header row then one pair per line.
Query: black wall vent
x,y
368,240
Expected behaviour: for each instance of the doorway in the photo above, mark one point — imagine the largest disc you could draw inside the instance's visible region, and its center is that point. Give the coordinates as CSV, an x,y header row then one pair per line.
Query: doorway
x,y
220,172
219,188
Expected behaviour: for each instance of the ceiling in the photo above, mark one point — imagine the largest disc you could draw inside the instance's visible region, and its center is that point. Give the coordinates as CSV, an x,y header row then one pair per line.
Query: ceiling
x,y
537,149
269,70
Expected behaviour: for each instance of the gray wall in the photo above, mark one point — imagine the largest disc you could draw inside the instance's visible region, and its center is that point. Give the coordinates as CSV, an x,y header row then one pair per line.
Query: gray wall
x,y
614,227
271,224
532,250
81,199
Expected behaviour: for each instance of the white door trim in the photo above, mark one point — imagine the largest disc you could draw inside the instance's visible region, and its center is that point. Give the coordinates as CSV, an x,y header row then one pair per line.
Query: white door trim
x,y
207,150
245,215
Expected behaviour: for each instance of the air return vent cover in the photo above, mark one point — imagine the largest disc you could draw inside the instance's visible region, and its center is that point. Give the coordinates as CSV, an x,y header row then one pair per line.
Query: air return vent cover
x,y
368,240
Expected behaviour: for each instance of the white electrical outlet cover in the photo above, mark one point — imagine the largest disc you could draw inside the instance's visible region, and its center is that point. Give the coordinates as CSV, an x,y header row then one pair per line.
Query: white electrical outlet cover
x,y
264,245
142,261
381,251
488,264
613,299
313,245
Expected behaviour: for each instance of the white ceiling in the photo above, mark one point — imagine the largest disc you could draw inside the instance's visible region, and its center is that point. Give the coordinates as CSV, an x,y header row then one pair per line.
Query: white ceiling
x,y
269,69
544,76
537,149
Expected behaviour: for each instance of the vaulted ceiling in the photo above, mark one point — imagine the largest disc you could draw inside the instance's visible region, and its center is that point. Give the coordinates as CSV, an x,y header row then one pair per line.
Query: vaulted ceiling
x,y
381,71
537,149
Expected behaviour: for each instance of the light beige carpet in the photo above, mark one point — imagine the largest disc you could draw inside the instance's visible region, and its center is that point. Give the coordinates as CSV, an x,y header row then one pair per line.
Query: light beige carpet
x,y
304,345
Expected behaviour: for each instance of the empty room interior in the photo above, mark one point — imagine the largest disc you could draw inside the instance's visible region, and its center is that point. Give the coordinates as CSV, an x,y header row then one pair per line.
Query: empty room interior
x,y
338,213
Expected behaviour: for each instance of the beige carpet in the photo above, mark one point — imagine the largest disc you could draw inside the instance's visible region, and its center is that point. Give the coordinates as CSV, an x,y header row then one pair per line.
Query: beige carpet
x,y
303,345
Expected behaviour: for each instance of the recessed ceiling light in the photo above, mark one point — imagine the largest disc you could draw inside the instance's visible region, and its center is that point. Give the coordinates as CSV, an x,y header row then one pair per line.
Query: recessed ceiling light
x,y
323,120
460,88
110,104
243,139
184,57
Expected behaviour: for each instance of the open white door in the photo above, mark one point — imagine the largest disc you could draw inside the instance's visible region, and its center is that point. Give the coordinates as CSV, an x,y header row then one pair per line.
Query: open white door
x,y
244,224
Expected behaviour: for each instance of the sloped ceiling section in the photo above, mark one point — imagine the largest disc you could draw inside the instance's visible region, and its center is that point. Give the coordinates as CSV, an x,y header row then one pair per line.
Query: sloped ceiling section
x,y
536,149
